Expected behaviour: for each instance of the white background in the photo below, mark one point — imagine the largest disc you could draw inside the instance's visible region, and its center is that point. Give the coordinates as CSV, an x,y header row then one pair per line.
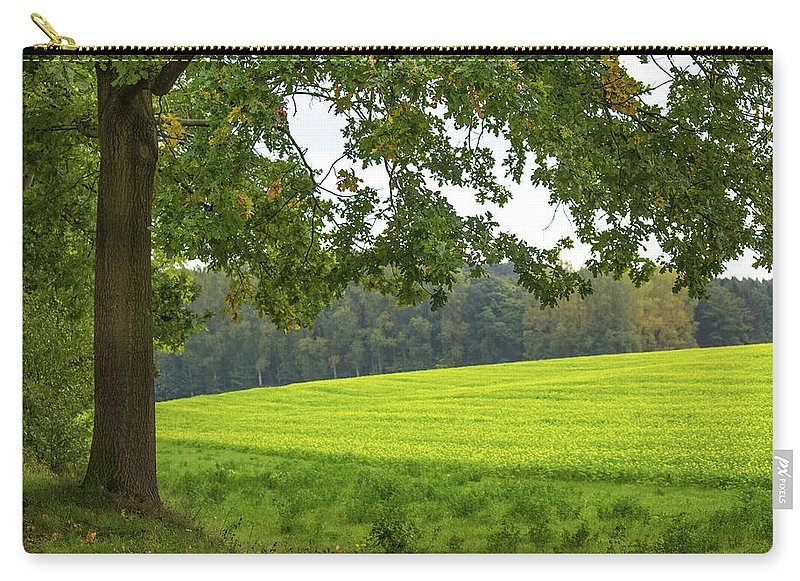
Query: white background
x,y
408,22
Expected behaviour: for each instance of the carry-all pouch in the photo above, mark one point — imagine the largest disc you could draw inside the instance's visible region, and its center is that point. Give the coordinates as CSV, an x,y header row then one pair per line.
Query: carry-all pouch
x,y
397,299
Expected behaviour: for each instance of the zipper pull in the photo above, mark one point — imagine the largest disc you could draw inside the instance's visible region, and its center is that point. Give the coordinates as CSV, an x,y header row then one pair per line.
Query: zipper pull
x,y
56,40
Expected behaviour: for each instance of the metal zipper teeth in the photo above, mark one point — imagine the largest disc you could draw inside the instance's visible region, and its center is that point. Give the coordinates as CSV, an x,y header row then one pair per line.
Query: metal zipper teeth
x,y
399,50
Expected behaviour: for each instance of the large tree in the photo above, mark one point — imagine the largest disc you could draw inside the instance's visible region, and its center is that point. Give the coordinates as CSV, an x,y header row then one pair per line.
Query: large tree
x,y
198,157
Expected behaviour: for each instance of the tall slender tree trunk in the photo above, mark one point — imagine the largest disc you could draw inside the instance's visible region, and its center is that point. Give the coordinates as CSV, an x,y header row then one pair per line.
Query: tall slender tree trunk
x,y
123,452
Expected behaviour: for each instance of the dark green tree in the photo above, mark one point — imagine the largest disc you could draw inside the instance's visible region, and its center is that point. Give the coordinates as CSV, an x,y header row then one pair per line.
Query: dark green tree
x,y
723,318
492,310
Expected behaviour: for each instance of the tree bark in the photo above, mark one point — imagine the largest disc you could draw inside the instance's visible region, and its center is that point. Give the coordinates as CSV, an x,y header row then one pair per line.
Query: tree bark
x,y
123,452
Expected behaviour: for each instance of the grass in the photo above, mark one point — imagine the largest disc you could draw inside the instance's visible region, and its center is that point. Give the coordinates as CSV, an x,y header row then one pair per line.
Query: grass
x,y
656,452
60,517
297,503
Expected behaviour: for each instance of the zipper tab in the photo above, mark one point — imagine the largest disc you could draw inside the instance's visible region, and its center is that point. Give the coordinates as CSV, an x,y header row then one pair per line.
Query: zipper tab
x,y
56,40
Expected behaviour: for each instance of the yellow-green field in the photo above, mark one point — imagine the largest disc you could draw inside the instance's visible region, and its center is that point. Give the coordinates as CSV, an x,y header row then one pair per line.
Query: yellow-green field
x,y
639,452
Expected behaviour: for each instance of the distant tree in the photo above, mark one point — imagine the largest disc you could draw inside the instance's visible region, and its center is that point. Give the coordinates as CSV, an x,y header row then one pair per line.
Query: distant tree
x,y
314,358
562,332
612,320
492,309
667,318
723,318
757,296
382,341
418,336
617,318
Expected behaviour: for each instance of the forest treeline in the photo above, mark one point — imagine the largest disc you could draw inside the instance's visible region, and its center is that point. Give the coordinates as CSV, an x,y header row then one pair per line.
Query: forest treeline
x,y
486,320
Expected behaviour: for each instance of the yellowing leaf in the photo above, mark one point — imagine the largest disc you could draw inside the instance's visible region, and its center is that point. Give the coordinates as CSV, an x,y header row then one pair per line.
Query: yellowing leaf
x,y
175,132
245,204
620,88
236,115
274,189
476,99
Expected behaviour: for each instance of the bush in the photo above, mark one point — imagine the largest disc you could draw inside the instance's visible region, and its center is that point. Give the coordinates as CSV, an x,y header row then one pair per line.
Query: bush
x,y
504,540
576,541
464,503
57,382
683,535
392,533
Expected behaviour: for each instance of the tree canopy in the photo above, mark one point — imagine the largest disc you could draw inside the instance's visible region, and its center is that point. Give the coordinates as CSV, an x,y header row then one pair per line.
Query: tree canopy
x,y
236,191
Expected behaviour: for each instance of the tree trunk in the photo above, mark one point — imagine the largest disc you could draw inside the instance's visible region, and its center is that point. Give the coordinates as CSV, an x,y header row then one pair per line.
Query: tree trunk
x,y
123,453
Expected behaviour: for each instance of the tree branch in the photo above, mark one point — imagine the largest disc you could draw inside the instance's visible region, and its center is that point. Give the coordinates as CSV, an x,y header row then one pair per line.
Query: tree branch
x,y
194,122
169,73
87,128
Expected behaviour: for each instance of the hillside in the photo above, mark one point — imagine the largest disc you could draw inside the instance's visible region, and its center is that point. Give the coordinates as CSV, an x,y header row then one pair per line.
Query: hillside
x,y
697,415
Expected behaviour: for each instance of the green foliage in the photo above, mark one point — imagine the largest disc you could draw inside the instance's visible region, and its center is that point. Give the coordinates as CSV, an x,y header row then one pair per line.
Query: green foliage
x,y
57,381
504,540
236,191
575,541
683,535
392,533
133,69
173,321
736,312
617,318
656,170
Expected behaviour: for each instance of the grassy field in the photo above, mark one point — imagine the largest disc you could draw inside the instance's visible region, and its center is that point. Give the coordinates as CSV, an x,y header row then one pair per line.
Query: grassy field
x,y
656,452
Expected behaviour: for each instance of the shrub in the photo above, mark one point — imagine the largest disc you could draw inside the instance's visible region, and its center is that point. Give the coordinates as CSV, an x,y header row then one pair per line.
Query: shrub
x,y
577,540
464,503
57,381
392,533
683,535
504,540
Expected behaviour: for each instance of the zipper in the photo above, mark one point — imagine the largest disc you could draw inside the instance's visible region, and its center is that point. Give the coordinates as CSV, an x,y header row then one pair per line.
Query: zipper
x,y
56,40
59,43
